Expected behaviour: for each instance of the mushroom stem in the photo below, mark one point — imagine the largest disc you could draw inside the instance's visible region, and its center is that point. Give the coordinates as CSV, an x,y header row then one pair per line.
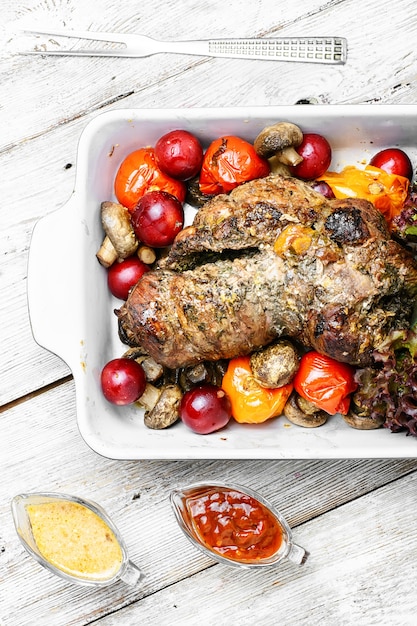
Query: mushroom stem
x,y
146,254
289,156
107,254
149,398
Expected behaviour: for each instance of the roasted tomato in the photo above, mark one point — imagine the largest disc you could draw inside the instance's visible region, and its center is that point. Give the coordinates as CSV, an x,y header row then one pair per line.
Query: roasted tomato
x,y
139,173
228,162
325,382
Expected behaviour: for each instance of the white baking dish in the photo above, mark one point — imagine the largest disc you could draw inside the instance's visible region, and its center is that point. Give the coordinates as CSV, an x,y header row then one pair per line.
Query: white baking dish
x,y
71,309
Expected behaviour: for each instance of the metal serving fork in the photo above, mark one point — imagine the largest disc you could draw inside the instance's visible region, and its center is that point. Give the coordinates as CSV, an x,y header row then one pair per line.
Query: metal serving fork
x,y
329,50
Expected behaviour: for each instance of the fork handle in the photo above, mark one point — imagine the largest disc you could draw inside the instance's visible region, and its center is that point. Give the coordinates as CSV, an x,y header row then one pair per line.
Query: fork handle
x,y
329,50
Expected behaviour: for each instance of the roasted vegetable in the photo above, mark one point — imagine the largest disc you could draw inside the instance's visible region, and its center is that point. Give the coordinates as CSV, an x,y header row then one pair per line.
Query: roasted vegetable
x,y
301,412
280,140
139,173
387,192
362,422
228,162
275,365
250,402
325,382
166,410
120,241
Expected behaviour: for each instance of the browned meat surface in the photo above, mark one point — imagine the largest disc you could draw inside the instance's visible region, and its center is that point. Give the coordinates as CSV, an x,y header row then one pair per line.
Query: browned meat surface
x,y
340,294
250,216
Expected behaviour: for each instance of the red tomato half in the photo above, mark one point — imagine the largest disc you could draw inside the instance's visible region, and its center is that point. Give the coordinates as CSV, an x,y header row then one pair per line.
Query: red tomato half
x,y
228,162
325,382
139,173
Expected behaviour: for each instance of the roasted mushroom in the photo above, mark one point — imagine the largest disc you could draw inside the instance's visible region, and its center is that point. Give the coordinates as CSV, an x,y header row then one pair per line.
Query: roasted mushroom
x,y
166,410
301,412
280,141
153,370
120,241
195,197
162,405
363,421
275,365
211,372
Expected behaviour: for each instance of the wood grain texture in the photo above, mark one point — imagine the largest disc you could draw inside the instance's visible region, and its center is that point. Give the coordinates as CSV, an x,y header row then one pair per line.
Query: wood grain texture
x,y
357,518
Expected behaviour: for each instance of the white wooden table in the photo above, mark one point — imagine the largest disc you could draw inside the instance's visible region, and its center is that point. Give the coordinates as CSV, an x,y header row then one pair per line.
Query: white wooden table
x,y
357,518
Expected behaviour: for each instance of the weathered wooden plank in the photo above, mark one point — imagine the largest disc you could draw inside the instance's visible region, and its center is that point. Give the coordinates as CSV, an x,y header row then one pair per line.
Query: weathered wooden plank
x,y
68,93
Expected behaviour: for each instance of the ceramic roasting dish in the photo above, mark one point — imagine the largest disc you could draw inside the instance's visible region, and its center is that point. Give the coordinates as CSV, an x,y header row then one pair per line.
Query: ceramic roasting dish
x,y
78,324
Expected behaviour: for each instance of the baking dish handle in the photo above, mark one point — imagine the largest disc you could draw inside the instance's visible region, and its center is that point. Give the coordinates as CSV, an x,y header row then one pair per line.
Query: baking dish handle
x,y
52,285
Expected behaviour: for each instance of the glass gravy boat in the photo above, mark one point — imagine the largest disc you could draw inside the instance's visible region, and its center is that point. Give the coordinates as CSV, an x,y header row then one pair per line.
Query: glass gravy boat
x,y
55,529
199,507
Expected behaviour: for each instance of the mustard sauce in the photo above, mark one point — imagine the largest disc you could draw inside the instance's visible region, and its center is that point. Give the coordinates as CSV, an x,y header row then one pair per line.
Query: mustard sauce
x,y
75,539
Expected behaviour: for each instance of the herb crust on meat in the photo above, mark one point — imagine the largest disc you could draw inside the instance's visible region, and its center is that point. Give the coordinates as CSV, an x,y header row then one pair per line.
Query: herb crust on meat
x,y
225,288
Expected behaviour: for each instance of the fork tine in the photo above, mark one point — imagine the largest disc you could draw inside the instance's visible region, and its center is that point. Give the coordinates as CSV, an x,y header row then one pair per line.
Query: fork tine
x,y
80,34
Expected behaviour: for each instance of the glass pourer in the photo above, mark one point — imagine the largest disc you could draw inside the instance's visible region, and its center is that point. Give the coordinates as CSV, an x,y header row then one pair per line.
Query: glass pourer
x,y
234,525
73,538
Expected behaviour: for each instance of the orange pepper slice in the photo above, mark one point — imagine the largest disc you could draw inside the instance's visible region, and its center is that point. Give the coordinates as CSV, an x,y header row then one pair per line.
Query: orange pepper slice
x,y
387,192
251,403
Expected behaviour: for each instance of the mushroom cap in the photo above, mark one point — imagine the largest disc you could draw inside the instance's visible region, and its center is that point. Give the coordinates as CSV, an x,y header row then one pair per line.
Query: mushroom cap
x,y
296,415
276,138
275,365
167,409
362,422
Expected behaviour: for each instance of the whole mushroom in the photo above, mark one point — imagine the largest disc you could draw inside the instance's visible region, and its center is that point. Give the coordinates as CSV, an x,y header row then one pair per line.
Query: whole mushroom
x,y
279,141
301,412
362,422
275,365
120,241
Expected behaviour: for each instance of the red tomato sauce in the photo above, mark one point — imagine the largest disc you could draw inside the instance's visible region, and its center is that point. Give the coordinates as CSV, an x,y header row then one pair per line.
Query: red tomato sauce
x,y
235,525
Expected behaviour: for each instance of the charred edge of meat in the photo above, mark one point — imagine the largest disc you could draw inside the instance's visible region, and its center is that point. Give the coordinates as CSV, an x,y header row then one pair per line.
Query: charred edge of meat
x,y
346,225
204,257
126,335
339,333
